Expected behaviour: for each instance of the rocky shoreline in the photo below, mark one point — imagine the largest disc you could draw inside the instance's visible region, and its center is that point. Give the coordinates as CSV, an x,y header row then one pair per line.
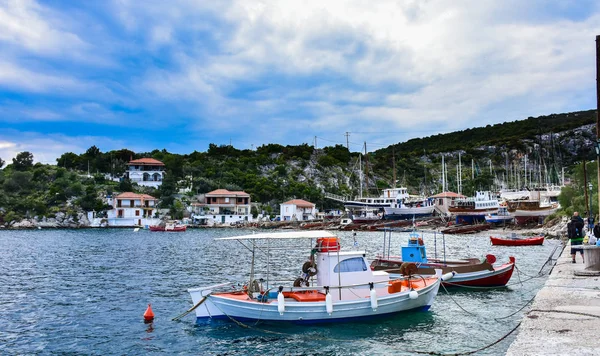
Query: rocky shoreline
x,y
554,229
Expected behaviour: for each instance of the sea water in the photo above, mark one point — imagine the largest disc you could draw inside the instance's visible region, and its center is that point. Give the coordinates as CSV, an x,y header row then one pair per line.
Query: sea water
x,y
84,292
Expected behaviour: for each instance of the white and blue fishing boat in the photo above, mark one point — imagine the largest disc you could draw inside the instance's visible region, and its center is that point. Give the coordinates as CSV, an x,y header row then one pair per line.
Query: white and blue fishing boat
x,y
334,286
501,217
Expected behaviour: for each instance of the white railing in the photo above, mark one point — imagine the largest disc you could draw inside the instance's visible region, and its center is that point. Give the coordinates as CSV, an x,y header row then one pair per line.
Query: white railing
x,y
335,197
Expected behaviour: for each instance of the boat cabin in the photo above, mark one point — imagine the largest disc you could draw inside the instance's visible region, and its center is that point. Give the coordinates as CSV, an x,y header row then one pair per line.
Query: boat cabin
x,y
415,250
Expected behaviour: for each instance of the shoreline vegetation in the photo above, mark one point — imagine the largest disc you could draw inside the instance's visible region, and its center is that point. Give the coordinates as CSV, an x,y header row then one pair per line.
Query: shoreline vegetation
x,y
36,195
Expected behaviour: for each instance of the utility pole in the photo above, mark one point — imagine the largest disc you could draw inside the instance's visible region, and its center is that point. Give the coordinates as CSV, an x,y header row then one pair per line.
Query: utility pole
x,y
598,111
347,140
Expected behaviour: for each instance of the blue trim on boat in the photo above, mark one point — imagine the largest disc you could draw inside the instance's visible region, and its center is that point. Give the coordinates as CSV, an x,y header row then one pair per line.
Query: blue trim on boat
x,y
321,321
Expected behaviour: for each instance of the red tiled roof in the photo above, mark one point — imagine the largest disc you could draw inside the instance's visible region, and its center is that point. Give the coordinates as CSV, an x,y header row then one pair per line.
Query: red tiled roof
x,y
130,195
146,162
448,195
299,203
223,192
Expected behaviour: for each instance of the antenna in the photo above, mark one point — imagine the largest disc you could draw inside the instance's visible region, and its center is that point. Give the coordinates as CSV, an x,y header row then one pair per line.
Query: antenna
x,y
347,141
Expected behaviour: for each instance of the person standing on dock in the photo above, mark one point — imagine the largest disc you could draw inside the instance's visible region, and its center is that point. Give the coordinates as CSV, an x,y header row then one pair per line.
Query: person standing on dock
x,y
575,231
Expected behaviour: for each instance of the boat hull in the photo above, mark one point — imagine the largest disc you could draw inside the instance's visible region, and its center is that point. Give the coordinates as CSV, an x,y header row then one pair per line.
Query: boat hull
x,y
223,307
481,275
407,213
517,242
164,229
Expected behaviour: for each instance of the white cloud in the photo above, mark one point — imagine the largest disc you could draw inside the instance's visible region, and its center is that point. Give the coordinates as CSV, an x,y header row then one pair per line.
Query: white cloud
x,y
27,24
286,71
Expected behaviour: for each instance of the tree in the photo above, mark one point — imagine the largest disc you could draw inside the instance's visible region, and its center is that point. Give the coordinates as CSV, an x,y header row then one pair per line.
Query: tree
x,y
23,161
68,160
1,163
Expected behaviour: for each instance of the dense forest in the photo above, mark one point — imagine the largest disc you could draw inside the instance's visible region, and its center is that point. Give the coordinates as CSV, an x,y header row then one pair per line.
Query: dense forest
x,y
491,157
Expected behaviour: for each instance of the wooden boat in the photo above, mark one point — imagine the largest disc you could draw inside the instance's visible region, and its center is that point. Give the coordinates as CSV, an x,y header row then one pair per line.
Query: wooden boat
x,y
515,241
531,210
335,286
467,272
465,229
168,228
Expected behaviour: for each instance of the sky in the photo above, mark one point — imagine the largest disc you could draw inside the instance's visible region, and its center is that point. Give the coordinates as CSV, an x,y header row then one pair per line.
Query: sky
x,y
182,74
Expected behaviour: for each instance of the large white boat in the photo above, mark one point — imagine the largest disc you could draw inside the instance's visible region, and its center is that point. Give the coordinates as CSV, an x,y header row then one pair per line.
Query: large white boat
x,y
387,198
412,207
335,286
474,209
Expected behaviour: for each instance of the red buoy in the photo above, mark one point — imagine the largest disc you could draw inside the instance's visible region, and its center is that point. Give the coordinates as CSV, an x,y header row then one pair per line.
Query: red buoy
x,y
148,315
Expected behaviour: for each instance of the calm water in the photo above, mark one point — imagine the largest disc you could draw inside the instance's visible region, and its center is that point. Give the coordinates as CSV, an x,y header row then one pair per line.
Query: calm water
x,y
84,292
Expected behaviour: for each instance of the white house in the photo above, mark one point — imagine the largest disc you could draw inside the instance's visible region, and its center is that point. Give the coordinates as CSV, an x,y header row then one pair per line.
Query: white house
x,y
148,172
131,209
222,206
297,209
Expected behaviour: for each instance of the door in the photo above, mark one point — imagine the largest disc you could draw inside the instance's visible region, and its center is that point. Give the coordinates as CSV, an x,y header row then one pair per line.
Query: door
x,y
223,219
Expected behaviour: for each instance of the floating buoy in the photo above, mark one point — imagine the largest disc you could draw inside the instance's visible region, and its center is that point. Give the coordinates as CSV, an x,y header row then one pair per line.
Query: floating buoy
x,y
373,294
329,303
448,276
413,294
148,314
280,303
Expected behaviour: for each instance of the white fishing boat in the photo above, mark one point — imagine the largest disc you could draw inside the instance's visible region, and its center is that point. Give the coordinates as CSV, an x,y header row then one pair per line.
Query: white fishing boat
x,y
408,208
335,286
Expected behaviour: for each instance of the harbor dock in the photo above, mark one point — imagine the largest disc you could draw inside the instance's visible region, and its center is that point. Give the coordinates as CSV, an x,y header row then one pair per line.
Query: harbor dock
x,y
565,316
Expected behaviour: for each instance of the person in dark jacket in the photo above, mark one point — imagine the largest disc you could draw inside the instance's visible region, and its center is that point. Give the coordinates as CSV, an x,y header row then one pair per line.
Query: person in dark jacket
x,y
575,230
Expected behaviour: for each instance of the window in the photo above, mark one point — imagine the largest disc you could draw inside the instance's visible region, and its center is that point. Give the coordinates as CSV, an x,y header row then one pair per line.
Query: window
x,y
355,264
226,200
214,199
137,213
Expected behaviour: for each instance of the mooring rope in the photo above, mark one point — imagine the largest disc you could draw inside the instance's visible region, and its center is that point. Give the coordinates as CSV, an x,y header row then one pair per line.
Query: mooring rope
x,y
313,337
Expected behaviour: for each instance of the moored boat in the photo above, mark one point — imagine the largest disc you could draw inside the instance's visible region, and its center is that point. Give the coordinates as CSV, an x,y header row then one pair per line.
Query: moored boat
x,y
501,217
409,208
335,286
465,229
467,272
517,241
474,209
170,227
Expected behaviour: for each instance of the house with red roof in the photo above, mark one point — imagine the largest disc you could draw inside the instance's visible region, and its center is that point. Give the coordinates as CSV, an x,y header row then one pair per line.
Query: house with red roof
x,y
297,210
131,209
148,172
222,206
444,200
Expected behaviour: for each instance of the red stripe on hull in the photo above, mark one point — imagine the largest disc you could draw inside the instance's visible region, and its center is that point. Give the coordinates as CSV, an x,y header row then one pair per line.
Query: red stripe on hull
x,y
492,281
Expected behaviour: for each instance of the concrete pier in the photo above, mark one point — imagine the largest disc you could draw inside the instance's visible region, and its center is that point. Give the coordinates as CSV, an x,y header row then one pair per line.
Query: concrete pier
x,y
565,316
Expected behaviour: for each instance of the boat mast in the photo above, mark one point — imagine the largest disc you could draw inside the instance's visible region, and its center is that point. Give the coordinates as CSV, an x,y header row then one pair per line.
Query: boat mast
x,y
366,170
394,168
443,175
459,174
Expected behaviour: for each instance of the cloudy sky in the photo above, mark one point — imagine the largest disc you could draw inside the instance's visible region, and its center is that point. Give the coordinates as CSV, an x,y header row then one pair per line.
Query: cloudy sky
x,y
181,74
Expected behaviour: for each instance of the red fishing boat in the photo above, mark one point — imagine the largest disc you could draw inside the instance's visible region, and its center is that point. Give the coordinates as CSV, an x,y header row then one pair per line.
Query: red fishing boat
x,y
517,241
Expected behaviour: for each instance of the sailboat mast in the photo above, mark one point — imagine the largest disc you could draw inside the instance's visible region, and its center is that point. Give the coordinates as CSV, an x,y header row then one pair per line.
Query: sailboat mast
x,y
459,174
366,170
394,168
443,177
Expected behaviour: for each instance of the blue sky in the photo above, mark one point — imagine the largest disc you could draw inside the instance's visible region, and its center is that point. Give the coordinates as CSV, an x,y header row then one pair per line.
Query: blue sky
x,y
181,74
